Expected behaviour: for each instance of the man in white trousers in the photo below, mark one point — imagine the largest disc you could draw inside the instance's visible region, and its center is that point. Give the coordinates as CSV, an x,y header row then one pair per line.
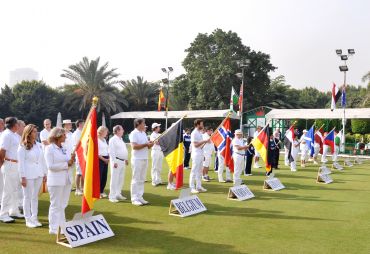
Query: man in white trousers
x,y
197,156
139,161
220,171
44,134
157,156
208,150
2,128
118,160
9,168
238,156
325,150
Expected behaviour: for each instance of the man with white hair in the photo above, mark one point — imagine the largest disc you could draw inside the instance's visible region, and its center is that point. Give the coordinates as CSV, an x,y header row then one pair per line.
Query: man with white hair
x,y
238,156
157,156
44,134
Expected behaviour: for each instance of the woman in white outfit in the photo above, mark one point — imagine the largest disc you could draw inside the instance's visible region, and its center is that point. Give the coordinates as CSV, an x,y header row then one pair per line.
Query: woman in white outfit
x,y
32,170
59,179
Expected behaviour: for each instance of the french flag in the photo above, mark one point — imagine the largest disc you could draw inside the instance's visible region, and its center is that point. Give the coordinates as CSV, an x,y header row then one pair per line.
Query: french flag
x,y
336,94
288,142
329,140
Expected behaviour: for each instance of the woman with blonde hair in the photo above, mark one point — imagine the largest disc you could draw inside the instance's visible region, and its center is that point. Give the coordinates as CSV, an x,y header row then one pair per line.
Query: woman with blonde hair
x,y
59,179
103,153
32,170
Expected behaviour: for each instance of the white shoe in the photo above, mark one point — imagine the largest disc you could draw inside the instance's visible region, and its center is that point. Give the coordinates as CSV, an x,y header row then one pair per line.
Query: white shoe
x,y
315,162
143,201
293,170
17,215
103,195
201,189
30,224
113,200
7,219
137,203
52,232
120,197
205,179
194,191
221,181
171,187
248,174
37,223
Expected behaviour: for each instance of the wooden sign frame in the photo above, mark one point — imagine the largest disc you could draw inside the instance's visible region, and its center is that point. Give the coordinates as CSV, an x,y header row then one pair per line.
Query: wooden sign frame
x,y
321,178
267,186
233,196
173,210
347,163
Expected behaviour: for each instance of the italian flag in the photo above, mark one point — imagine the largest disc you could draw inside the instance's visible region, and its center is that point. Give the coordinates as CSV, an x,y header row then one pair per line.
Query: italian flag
x,y
234,99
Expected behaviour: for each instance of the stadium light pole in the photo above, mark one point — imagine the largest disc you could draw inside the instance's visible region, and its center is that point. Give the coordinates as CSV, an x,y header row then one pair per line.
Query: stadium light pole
x,y
243,64
167,81
344,69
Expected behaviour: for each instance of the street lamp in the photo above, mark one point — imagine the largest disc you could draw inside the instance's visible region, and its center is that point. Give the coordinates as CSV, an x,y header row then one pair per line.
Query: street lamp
x,y
243,64
167,81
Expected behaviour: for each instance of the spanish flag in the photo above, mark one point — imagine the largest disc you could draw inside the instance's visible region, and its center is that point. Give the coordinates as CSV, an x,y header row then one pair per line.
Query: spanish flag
x,y
261,144
161,100
172,145
87,153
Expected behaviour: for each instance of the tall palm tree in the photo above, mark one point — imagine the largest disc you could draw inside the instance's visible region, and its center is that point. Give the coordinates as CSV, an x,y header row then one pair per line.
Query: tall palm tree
x,y
141,95
91,80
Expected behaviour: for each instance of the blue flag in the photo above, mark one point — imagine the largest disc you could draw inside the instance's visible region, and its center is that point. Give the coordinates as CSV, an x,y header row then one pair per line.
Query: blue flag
x,y
310,140
344,99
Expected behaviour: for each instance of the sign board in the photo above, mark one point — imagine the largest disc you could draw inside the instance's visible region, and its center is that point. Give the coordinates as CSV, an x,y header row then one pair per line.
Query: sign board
x,y
322,178
84,230
324,170
240,193
357,160
186,206
348,163
336,165
273,184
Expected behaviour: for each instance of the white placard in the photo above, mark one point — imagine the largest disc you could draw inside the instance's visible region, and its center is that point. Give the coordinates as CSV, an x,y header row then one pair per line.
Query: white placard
x,y
274,184
86,230
325,178
348,163
337,166
358,160
324,170
187,206
240,193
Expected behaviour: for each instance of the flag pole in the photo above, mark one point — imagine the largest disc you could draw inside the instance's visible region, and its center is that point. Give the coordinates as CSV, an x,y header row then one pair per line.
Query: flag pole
x,y
223,121
167,130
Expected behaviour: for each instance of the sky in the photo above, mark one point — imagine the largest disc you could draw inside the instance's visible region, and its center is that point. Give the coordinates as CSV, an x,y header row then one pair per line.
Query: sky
x,y
142,36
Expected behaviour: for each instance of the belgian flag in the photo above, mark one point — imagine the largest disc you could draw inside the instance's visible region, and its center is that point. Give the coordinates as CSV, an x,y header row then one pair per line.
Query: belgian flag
x,y
172,145
261,144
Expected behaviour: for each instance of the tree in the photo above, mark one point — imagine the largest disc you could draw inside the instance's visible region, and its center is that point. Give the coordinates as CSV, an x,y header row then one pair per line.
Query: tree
x,y
141,95
211,65
360,126
91,80
281,95
6,99
310,97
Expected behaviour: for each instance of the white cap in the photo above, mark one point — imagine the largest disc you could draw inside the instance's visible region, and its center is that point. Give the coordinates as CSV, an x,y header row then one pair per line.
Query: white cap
x,y
155,125
304,130
238,131
67,121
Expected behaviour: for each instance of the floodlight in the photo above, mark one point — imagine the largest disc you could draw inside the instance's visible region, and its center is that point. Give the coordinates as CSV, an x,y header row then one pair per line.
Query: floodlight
x,y
164,70
351,51
170,68
344,57
343,68
338,51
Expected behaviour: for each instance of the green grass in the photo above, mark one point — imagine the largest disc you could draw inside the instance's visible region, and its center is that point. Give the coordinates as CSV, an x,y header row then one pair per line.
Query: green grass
x,y
306,217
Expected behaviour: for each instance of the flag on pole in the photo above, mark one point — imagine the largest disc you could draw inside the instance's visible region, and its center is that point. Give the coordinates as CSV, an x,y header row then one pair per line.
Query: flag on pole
x,y
344,98
161,100
310,138
87,155
240,102
222,139
234,99
288,142
335,95
172,145
319,138
329,140
261,144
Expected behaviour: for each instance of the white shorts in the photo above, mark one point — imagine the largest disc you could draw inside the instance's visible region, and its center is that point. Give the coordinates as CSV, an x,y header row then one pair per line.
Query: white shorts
x,y
207,160
78,168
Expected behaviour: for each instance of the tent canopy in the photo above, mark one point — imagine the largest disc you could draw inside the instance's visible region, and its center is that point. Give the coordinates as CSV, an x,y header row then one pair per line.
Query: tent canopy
x,y
176,114
325,113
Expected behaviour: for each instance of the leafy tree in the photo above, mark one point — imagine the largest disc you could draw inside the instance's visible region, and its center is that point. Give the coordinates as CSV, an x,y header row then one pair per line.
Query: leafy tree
x,y
6,99
281,95
310,97
360,126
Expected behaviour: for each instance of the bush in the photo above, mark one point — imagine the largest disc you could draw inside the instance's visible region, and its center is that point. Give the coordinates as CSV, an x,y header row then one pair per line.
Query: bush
x,y
360,126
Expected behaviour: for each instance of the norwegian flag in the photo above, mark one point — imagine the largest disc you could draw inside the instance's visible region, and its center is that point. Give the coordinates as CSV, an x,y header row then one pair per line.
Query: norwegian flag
x,y
222,140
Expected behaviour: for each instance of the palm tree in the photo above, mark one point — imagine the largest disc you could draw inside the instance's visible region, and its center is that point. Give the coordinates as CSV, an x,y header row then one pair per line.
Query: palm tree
x,y
141,95
92,80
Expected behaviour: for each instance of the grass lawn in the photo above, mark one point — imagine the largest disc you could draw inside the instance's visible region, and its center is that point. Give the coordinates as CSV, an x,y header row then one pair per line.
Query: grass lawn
x,y
306,217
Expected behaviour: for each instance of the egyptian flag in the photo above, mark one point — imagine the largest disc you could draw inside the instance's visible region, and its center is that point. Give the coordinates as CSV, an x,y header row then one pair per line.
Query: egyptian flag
x,y
172,145
319,138
288,142
336,94
161,100
87,155
329,140
261,144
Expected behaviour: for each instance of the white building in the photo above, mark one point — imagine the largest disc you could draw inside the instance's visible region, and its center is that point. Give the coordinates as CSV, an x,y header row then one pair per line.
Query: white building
x,y
18,75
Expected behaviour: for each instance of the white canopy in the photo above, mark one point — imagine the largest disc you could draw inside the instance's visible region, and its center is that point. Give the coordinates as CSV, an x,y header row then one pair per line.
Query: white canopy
x,y
176,114
325,113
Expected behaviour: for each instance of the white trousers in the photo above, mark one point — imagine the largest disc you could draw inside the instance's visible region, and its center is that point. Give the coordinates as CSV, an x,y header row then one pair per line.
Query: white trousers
x,y
1,186
238,168
10,198
139,168
59,197
293,164
317,150
221,167
207,160
336,153
324,153
117,178
157,159
304,151
31,198
195,178
286,156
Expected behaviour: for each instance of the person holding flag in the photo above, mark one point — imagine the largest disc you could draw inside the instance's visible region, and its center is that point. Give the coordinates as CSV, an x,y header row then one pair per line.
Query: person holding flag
x,y
238,155
261,144
318,144
288,145
310,138
294,153
328,143
304,149
336,145
157,156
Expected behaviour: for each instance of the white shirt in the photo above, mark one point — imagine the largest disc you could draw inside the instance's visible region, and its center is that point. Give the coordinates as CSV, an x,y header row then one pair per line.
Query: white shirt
x,y
103,149
153,137
68,143
196,136
76,137
56,159
31,163
117,149
238,142
44,135
9,142
140,138
208,148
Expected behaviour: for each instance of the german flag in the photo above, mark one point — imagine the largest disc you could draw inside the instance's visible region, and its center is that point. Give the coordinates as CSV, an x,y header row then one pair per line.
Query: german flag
x,y
172,145
161,100
87,154
261,144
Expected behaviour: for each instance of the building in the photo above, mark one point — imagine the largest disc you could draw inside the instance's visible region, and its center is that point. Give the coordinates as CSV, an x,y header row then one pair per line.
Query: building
x,y
18,75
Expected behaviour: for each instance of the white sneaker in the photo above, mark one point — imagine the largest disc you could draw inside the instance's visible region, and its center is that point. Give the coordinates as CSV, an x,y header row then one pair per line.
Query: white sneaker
x,y
52,232
17,215
113,200
137,203
293,169
143,201
6,219
37,223
221,181
120,197
103,195
201,189
205,179
171,187
30,224
194,191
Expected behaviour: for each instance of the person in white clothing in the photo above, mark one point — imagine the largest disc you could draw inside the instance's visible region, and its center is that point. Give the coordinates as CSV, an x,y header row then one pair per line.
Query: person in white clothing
x,y
139,161
103,152
68,143
257,155
32,170
9,168
197,157
295,151
238,156
21,126
2,127
44,134
157,156
208,150
304,149
221,167
60,177
76,136
118,156
325,150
